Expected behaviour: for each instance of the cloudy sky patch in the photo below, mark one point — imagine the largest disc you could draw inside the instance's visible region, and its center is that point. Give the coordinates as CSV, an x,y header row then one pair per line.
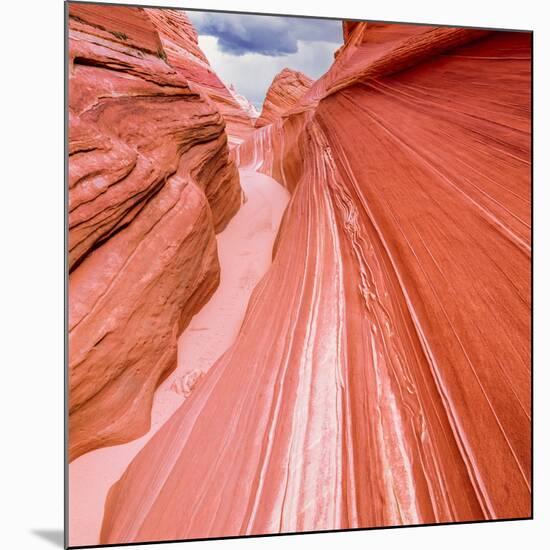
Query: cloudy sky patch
x,y
249,50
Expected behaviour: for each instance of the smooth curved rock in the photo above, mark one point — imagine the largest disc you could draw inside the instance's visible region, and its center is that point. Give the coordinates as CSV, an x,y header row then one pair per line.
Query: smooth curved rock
x,y
150,182
180,42
382,373
244,251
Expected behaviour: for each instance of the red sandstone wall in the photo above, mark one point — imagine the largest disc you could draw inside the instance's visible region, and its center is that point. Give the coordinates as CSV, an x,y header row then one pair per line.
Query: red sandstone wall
x,y
382,373
150,182
180,42
287,88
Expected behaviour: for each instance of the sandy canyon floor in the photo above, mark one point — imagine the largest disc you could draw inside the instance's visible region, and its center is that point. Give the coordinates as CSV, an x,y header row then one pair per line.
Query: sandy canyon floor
x,y
244,250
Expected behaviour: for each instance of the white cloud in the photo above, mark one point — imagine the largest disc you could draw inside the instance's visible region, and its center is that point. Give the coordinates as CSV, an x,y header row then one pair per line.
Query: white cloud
x,y
252,73
265,34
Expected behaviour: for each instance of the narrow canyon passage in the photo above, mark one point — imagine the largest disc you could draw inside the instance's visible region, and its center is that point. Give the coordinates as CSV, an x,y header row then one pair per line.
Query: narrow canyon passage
x,y
376,373
244,250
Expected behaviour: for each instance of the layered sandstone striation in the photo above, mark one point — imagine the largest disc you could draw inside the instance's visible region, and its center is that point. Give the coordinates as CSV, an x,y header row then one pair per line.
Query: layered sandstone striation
x,y
150,183
244,252
429,132
382,372
287,88
180,42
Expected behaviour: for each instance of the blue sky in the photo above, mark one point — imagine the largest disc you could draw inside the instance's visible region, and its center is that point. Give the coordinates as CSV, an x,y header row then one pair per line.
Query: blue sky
x,y
249,50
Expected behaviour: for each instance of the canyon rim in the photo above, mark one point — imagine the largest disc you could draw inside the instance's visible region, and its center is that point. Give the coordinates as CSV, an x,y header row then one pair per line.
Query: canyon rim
x,y
306,315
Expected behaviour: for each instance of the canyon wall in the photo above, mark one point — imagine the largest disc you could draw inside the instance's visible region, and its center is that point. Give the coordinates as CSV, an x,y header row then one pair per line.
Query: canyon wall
x,y
382,372
150,183
287,87
432,166
180,42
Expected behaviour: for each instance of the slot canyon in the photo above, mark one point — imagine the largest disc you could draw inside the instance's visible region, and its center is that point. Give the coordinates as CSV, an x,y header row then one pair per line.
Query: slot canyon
x,y
313,317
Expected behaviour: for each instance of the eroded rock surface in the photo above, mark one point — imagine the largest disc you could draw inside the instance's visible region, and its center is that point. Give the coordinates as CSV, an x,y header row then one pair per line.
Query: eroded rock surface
x,y
382,372
180,42
287,87
150,182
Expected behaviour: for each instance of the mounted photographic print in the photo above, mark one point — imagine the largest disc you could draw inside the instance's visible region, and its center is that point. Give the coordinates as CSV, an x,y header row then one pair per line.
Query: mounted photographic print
x,y
299,274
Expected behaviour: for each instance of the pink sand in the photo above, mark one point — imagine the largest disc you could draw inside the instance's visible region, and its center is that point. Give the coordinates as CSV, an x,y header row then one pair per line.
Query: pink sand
x,y
244,250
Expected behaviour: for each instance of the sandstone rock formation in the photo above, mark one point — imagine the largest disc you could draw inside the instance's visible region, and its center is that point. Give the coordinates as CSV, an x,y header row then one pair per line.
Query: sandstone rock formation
x,y
382,373
287,87
150,182
246,106
180,42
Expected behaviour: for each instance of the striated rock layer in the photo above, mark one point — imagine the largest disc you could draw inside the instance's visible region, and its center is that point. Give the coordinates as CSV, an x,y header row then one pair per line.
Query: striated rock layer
x,y
287,87
180,42
150,182
244,252
382,372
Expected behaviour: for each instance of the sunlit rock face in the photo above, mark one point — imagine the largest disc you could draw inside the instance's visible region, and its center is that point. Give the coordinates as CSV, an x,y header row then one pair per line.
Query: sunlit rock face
x,y
432,171
382,372
287,87
180,42
150,182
